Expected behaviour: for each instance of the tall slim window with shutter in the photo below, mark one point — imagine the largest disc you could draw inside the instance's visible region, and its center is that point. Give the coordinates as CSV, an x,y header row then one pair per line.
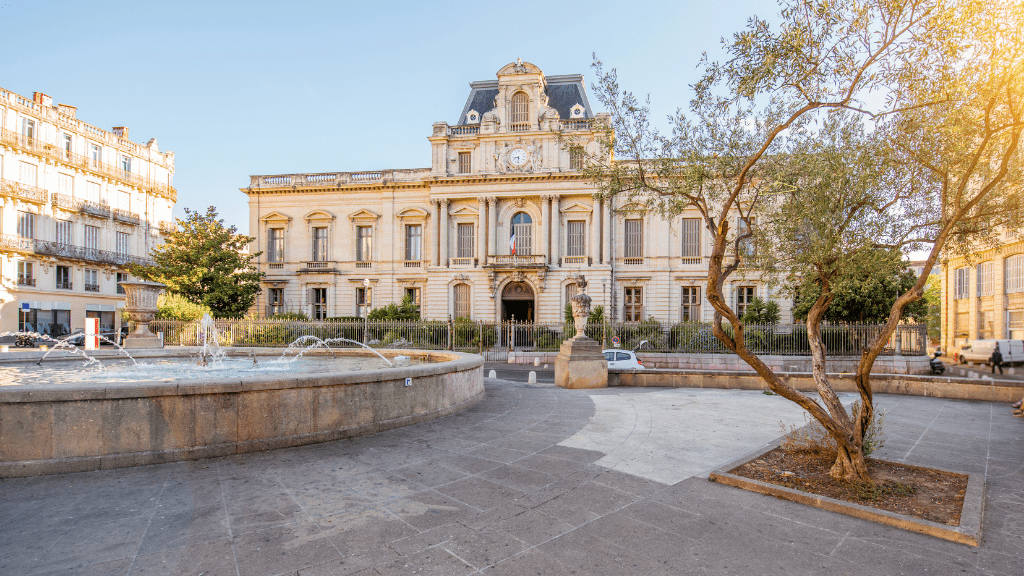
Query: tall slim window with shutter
x,y
986,278
744,298
522,229
1013,270
633,305
961,289
690,231
275,245
520,112
26,225
320,244
576,158
465,241
413,242
318,303
576,232
364,243
689,304
460,300
92,237
465,162
634,241
64,232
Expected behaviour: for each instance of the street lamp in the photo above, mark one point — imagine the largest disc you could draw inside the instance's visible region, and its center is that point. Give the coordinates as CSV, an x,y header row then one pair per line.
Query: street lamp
x,y
366,309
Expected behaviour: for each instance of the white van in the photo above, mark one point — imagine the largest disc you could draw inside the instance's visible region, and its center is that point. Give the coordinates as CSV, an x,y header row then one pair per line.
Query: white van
x,y
981,350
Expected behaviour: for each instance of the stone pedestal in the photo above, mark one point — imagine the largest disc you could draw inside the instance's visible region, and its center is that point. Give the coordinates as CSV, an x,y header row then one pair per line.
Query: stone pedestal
x,y
141,307
580,364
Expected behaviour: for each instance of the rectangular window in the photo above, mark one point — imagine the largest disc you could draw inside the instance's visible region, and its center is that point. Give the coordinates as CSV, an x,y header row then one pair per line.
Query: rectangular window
x,y
986,279
465,162
576,232
66,184
364,299
744,298
1013,270
1015,324
413,292
126,164
744,226
320,244
27,320
690,231
634,238
465,241
275,245
28,127
986,324
92,191
26,224
523,233
69,145
633,305
92,237
275,301
95,155
689,304
92,281
122,277
122,243
64,234
63,275
364,243
318,300
576,158
28,174
25,274
961,289
460,298
414,242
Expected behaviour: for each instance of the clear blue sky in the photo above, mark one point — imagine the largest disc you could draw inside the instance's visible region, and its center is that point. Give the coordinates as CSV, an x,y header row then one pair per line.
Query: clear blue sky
x,y
240,88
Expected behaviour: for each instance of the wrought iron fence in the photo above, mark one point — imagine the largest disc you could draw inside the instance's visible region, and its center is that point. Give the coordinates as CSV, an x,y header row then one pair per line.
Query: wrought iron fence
x,y
494,340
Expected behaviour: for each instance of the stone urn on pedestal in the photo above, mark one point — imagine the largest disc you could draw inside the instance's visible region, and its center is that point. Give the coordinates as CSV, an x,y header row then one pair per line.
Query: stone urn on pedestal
x,y
580,363
140,305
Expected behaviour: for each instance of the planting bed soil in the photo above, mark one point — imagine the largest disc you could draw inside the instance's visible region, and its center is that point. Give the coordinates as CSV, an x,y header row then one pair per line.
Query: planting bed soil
x,y
925,493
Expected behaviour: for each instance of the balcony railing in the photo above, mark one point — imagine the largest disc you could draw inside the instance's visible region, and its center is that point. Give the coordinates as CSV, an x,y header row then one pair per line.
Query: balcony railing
x,y
92,287
514,260
519,127
575,261
463,130
576,124
463,262
24,192
413,264
64,285
58,154
65,202
631,261
126,217
26,280
275,265
69,251
167,227
691,261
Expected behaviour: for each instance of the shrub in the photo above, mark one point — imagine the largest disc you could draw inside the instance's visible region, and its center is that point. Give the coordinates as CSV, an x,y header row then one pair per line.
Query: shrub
x,y
171,306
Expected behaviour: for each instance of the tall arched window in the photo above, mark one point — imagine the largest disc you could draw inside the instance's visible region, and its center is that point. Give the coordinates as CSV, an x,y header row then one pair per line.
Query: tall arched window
x,y
520,242
460,301
520,112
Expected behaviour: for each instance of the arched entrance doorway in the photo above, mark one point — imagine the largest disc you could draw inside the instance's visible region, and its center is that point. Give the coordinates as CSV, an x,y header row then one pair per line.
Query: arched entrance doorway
x,y
517,302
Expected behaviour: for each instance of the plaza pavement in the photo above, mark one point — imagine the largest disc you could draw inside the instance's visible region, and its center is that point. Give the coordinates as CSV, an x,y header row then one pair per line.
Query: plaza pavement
x,y
534,480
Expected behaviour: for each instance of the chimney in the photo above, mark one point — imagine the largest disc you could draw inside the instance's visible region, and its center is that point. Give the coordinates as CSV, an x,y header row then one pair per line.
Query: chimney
x,y
67,110
120,132
43,99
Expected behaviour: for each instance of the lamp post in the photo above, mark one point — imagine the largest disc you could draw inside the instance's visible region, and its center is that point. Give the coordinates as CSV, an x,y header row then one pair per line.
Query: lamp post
x,y
366,309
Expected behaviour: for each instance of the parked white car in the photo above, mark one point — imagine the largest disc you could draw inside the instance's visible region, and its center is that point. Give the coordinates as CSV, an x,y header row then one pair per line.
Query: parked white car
x,y
624,359
981,350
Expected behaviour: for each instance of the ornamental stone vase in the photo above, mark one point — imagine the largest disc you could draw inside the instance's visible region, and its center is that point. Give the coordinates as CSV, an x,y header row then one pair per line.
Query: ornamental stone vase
x,y
140,306
580,363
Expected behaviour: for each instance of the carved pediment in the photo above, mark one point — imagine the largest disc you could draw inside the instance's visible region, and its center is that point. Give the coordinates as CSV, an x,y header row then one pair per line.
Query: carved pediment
x,y
464,211
519,67
319,215
414,212
276,217
363,215
577,208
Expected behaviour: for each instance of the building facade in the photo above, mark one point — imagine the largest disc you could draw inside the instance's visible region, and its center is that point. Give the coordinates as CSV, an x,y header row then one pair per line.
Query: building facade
x,y
497,228
77,203
983,295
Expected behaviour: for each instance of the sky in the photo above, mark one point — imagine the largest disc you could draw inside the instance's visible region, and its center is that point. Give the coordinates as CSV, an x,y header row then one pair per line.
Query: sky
x,y
243,88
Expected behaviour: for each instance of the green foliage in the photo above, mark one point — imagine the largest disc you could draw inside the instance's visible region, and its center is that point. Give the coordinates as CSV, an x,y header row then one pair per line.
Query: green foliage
x,y
761,312
467,334
202,261
298,316
170,306
405,312
631,335
933,299
343,319
865,294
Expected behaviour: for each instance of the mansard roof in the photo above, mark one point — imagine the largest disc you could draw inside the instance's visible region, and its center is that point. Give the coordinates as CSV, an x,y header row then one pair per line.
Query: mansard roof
x,y
563,93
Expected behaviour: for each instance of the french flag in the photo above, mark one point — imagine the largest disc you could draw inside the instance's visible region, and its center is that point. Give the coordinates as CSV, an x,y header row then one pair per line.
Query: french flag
x,y
512,244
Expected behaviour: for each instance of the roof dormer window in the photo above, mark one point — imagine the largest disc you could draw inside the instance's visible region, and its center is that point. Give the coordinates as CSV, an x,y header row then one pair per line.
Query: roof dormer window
x,y
520,112
577,111
473,117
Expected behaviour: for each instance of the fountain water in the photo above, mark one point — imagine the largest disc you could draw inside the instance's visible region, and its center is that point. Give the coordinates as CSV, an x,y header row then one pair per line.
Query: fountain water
x,y
64,344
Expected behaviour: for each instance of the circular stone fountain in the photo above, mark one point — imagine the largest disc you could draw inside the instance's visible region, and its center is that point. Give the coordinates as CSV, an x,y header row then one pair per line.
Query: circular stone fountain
x,y
51,424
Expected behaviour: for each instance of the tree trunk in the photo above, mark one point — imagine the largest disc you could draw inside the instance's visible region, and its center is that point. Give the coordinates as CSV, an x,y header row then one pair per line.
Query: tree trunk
x,y
850,465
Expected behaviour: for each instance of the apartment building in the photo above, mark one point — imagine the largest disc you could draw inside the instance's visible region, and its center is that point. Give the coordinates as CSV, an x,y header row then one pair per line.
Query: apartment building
x,y
77,204
497,228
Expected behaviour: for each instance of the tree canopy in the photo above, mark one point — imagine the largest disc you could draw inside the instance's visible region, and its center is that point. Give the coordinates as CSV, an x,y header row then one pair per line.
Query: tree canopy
x,y
202,261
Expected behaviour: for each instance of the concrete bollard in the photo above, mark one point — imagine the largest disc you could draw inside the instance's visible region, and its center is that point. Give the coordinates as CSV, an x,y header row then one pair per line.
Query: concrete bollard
x,y
533,378
1009,371
492,374
972,374
546,367
536,361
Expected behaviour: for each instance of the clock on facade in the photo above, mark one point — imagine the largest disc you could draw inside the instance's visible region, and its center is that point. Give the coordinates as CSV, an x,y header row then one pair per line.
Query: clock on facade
x,y
518,157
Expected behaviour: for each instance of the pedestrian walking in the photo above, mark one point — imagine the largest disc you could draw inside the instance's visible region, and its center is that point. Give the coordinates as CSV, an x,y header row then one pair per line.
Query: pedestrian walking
x,y
996,360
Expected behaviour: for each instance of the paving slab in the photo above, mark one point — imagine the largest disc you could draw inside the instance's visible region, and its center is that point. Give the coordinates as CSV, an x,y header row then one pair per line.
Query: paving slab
x,y
532,480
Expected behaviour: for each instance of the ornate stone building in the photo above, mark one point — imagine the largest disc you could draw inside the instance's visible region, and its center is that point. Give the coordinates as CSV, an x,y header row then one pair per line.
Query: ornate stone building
x,y
77,203
497,228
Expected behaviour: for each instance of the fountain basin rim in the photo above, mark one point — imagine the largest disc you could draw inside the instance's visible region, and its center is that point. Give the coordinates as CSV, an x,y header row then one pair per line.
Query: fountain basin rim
x,y
444,362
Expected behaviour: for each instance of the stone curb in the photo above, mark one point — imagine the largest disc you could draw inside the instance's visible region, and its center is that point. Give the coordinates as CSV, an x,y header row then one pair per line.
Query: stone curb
x,y
971,516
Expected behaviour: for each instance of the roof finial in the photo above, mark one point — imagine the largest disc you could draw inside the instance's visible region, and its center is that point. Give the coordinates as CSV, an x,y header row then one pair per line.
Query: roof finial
x,y
519,61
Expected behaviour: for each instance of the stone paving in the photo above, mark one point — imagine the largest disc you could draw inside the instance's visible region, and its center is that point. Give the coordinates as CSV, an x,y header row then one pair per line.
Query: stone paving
x,y
509,487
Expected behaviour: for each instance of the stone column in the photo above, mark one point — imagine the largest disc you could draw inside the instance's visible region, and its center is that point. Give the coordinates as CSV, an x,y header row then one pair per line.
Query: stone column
x,y
492,226
444,232
556,231
545,228
436,242
606,232
595,231
481,231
